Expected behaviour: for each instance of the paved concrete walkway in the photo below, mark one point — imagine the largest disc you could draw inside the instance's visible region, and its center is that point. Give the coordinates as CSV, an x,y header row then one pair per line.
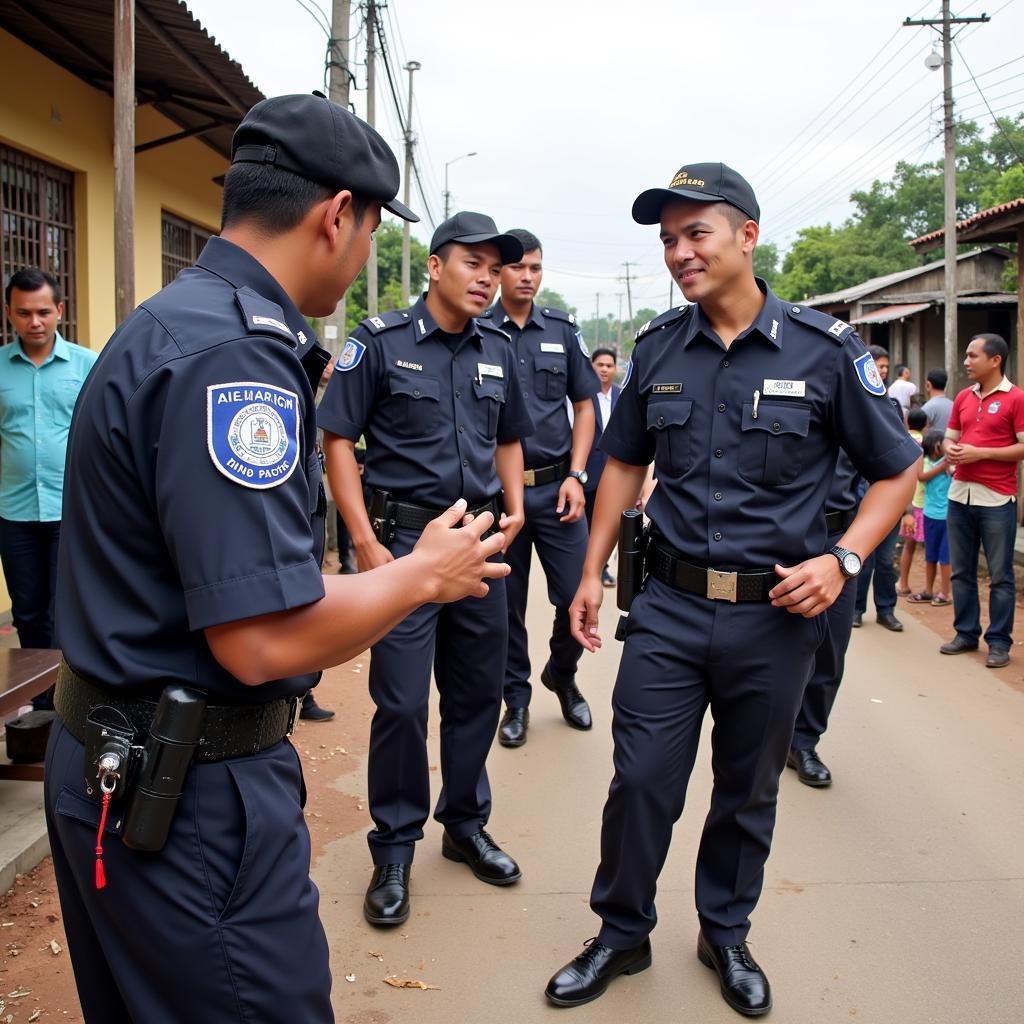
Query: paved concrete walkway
x,y
895,897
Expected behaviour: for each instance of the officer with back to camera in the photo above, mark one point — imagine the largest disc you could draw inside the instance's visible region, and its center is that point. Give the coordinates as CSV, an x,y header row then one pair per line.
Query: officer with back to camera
x,y
190,576
435,391
742,401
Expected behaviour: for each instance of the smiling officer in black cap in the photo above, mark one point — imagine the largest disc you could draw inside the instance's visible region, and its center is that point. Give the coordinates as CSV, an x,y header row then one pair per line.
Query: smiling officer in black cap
x,y
194,534
436,393
742,401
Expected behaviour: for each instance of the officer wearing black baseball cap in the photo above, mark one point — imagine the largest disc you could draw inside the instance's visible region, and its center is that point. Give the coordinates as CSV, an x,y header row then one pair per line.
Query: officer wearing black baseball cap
x,y
211,385
469,228
705,183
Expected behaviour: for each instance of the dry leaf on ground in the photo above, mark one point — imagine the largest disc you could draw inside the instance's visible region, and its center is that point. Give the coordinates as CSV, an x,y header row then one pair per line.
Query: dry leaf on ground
x,y
410,983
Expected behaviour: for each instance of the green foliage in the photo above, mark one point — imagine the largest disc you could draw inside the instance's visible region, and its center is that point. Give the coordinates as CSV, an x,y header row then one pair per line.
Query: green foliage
x,y
548,298
766,262
389,274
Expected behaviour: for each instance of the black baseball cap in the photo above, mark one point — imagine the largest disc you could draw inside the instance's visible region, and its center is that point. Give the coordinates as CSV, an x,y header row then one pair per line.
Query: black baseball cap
x,y
467,228
706,183
322,142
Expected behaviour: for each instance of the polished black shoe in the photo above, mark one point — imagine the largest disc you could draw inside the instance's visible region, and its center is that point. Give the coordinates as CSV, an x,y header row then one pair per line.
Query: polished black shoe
x,y
743,984
858,620
312,712
958,645
810,769
486,859
590,974
512,730
998,657
889,621
387,898
575,709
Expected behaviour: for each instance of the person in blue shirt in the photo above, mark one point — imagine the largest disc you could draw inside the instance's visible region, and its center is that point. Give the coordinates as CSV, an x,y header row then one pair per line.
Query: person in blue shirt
x,y
41,375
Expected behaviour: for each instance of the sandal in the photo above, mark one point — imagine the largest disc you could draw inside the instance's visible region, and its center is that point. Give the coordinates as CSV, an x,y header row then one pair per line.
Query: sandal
x,y
922,598
900,592
940,599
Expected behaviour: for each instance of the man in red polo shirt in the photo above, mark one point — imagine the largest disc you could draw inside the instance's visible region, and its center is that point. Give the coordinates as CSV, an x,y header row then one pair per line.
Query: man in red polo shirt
x,y
984,441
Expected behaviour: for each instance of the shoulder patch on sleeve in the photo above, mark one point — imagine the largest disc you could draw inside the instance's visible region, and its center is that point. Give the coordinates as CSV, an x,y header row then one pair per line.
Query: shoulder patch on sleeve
x,y
838,330
669,316
351,354
868,375
582,344
252,432
629,373
262,316
384,322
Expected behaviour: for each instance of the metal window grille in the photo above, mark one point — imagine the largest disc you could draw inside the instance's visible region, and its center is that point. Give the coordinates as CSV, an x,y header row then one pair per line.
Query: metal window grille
x,y
37,227
182,242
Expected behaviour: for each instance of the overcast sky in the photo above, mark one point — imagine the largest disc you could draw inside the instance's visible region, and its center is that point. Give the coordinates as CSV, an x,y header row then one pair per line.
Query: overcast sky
x,y
575,107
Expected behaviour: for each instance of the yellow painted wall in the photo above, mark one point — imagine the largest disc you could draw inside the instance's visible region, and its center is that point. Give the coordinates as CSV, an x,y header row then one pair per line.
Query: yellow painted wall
x,y
57,117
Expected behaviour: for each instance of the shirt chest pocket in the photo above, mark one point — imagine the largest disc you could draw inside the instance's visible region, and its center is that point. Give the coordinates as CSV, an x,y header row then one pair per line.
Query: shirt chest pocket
x,y
489,398
62,401
417,402
549,376
771,445
673,435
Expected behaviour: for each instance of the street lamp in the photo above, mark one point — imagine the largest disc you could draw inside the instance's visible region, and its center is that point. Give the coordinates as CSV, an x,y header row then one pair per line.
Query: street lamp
x,y
447,194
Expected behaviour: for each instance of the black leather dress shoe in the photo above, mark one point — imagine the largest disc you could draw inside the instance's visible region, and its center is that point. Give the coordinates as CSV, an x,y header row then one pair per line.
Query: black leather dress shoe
x,y
514,723
858,620
486,859
312,712
575,709
998,657
958,645
889,621
387,898
743,984
590,974
810,769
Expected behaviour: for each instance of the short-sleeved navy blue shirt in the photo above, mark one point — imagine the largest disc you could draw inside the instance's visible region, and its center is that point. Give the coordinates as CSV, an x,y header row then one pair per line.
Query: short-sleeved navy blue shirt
x,y
432,416
553,363
193,494
842,495
745,439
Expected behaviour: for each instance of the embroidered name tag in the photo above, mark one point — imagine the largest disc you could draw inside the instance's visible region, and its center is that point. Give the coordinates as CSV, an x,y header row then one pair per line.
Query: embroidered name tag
x,y
269,321
551,346
790,388
486,370
405,365
668,389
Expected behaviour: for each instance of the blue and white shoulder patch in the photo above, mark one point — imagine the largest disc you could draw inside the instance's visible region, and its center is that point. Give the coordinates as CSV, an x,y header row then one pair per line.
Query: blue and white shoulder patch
x,y
868,375
582,344
252,432
350,355
629,373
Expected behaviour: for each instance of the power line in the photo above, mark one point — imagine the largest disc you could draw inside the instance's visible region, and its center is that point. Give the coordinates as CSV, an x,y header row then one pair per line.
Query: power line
x,y
324,25
995,120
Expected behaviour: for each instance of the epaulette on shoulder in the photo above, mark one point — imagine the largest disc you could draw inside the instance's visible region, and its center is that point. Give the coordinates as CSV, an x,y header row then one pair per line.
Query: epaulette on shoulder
x,y
488,324
559,314
668,317
261,315
838,330
385,321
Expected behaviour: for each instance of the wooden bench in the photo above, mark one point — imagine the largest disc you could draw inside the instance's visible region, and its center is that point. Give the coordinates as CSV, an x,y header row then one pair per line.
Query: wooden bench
x,y
24,673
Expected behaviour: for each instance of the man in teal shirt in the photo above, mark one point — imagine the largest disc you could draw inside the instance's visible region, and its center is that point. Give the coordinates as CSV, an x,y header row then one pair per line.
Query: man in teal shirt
x,y
40,377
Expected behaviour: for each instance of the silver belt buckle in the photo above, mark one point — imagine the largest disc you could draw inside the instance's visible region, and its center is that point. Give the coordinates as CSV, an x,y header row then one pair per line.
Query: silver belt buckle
x,y
529,478
721,586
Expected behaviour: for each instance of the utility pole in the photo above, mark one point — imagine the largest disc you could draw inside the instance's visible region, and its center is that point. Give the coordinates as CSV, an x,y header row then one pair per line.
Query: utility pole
x,y
945,25
337,90
629,296
597,318
413,65
371,120
618,333
124,158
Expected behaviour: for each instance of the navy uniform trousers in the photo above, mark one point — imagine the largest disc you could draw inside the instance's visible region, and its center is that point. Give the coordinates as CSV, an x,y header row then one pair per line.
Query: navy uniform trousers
x,y
562,548
829,664
467,643
231,887
749,663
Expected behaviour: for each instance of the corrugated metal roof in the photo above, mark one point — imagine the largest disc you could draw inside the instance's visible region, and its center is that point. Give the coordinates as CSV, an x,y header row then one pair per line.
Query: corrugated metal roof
x,y
927,241
179,69
889,313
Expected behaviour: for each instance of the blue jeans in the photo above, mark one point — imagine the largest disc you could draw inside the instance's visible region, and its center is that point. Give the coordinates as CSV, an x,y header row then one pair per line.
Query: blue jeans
x,y
880,563
972,527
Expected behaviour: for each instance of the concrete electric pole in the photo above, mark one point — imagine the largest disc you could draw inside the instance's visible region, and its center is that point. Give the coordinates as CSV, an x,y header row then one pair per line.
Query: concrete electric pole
x,y
413,65
371,119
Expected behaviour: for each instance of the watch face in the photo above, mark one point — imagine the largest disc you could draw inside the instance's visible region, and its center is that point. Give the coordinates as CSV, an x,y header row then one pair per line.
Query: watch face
x,y
851,563
582,476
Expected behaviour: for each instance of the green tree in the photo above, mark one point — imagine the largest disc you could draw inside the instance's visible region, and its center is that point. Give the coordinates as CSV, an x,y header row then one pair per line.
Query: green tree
x,y
766,262
548,298
389,274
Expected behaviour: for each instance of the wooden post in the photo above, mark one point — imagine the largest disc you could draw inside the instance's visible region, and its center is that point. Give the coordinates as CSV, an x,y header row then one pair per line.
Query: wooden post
x,y
124,158
1019,368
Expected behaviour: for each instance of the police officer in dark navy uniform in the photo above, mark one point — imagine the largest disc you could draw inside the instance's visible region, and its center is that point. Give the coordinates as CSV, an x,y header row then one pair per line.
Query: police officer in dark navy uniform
x,y
742,401
191,610
552,362
435,391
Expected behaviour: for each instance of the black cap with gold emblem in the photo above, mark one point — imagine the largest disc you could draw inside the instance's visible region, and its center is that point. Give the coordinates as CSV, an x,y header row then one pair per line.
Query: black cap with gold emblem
x,y
705,183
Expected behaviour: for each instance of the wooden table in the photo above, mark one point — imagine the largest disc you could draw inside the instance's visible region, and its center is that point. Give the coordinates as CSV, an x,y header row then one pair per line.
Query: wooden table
x,y
24,673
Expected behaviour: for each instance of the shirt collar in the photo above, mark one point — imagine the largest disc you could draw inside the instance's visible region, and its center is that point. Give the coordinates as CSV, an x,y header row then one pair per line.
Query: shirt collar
x,y
61,350
500,317
241,269
769,322
1003,385
425,325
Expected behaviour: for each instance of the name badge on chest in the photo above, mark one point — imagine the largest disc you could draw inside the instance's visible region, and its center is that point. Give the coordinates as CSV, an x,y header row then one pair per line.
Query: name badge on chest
x,y
552,346
487,370
784,388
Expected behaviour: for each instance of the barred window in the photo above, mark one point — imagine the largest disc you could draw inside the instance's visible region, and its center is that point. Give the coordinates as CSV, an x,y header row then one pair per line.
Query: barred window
x,y
182,242
37,227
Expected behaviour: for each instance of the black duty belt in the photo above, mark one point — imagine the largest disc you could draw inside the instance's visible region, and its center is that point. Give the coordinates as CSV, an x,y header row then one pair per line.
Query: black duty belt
x,y
228,730
546,474
665,565
407,515
837,522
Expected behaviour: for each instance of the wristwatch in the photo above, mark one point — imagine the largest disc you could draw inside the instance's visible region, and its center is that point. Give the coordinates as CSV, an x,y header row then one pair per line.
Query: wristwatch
x,y
849,561
579,474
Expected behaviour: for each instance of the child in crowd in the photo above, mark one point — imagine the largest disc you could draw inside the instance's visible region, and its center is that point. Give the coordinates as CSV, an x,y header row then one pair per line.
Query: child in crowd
x,y
912,527
935,476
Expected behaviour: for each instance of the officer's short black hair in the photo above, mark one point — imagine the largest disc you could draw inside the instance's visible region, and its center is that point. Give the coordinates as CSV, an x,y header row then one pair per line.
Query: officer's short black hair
x,y
733,214
31,279
917,418
938,379
877,352
601,352
529,240
273,198
994,345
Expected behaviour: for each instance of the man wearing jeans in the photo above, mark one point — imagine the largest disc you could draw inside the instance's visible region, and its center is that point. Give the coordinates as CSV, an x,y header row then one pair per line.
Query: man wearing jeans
x,y
984,441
